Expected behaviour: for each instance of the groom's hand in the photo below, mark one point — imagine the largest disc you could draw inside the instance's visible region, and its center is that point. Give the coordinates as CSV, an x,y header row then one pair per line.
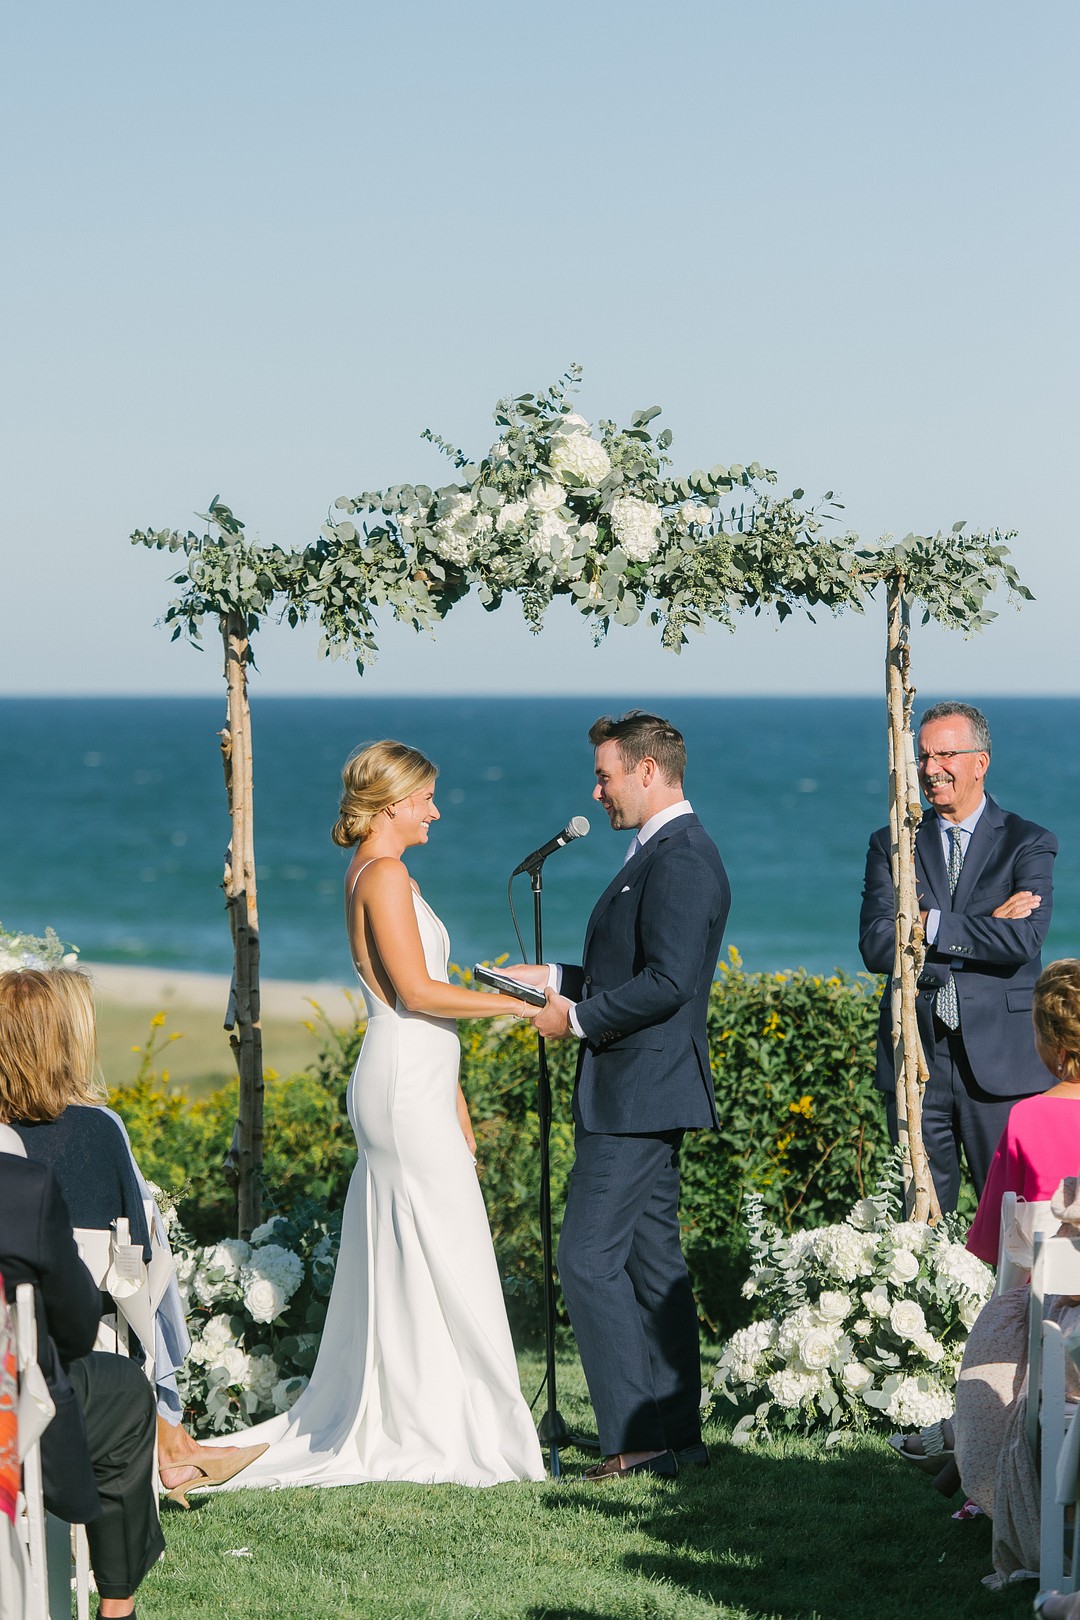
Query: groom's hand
x,y
534,973
553,1020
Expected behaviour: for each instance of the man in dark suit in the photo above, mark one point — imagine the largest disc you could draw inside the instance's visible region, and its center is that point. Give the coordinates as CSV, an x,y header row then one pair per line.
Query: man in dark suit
x,y
98,1451
985,885
638,1003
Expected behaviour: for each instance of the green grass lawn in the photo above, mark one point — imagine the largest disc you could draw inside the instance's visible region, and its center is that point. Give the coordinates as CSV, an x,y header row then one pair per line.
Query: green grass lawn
x,y
780,1529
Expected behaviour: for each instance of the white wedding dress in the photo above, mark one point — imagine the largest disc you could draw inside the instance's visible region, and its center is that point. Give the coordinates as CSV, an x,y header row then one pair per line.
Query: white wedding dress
x,y
416,1377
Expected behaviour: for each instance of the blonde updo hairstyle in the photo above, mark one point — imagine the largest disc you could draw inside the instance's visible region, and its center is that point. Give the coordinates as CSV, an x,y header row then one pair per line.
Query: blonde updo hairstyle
x,y
374,778
1055,1011
48,1044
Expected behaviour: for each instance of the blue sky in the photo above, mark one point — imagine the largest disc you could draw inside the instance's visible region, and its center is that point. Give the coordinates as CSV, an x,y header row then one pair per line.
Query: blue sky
x,y
255,248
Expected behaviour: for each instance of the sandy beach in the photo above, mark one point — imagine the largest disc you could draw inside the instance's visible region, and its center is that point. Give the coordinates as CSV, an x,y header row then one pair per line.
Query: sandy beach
x,y
163,989
191,1046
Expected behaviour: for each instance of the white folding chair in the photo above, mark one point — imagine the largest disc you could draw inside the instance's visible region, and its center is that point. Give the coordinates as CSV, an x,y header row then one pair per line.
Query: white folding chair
x,y
48,1539
1056,1270
1020,1219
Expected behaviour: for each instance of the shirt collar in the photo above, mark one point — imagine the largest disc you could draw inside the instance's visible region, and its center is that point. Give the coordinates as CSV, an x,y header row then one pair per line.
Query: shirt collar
x,y
651,827
968,824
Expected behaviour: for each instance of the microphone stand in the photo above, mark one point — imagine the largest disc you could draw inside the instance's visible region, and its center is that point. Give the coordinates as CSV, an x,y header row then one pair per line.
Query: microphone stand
x,y
552,1429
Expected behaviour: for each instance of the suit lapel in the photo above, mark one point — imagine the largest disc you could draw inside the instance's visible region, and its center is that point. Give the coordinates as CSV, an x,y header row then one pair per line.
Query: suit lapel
x,y
930,858
630,871
981,846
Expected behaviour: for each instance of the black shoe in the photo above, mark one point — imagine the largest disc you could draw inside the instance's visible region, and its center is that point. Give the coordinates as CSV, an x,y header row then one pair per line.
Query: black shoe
x,y
694,1456
664,1466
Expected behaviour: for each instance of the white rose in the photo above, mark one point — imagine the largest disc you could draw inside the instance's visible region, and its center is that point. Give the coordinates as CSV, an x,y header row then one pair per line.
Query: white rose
x,y
817,1348
927,1346
636,525
261,1233
832,1305
968,1311
903,1268
264,1300
588,532
572,423
235,1363
218,1333
907,1320
499,451
545,495
512,515
877,1300
578,458
855,1376
863,1327
286,1392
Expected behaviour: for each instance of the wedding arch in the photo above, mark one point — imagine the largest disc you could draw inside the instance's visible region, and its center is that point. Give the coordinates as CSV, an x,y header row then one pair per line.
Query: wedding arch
x,y
557,507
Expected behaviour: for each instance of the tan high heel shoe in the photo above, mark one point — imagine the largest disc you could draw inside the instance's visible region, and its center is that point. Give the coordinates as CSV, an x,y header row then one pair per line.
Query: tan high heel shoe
x,y
212,1471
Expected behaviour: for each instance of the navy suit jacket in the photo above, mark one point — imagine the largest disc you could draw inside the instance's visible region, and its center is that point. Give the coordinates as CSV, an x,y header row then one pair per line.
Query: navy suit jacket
x,y
642,990
995,961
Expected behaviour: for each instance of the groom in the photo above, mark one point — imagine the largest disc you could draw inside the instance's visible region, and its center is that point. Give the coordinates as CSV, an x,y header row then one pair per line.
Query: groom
x,y
638,1003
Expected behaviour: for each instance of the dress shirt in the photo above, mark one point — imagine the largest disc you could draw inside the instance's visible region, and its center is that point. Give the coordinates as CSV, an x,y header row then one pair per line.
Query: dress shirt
x,y
967,827
647,830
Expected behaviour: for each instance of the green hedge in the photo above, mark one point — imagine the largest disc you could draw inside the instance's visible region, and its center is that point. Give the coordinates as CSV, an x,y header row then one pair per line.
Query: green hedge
x,y
800,1122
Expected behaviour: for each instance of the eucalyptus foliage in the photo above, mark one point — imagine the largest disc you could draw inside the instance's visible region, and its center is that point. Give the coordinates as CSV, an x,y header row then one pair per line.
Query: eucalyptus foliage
x,y
556,508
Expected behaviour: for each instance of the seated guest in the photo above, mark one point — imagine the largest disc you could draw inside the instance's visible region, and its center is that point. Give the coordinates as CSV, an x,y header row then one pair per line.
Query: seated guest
x,y
98,1451
1040,1144
50,1094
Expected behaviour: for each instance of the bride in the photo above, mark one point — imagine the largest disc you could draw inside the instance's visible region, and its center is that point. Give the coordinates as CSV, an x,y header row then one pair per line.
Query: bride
x,y
415,1377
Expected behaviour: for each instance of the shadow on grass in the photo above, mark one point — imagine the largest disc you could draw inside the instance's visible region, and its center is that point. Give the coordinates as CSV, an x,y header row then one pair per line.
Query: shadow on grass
x,y
839,1535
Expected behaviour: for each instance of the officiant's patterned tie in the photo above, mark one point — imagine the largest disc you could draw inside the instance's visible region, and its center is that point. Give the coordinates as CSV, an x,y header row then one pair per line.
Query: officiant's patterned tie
x,y
948,1007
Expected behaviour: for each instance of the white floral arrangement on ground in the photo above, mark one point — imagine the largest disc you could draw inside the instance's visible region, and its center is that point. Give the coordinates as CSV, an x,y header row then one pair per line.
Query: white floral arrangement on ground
x,y
19,951
867,1322
255,1312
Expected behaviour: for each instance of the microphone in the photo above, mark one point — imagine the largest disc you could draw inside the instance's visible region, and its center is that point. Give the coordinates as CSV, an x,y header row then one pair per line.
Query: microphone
x,y
576,827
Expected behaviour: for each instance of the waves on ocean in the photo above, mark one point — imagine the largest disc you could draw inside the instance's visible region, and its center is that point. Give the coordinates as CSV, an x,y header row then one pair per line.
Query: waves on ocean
x,y
115,825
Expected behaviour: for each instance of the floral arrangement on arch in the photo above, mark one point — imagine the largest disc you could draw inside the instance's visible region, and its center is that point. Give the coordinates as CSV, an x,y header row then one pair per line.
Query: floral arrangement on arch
x,y
255,1312
19,951
558,507
866,1326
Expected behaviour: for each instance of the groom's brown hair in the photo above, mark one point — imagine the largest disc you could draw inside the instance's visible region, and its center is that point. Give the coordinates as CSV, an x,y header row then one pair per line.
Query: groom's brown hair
x,y
643,736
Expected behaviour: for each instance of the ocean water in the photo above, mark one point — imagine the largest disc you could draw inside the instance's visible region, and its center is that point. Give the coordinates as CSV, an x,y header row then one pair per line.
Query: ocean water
x,y
114,819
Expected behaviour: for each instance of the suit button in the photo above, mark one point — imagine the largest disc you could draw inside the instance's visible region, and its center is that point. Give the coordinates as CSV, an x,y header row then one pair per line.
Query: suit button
x,y
588,978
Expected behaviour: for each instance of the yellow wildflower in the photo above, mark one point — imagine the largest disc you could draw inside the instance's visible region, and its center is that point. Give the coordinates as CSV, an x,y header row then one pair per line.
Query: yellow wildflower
x,y
804,1106
157,1020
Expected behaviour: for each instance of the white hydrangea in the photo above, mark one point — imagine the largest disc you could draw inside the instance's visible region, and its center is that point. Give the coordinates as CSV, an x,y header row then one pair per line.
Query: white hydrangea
x,y
218,1333
263,1374
840,1251
959,1272
913,1235
903,1268
793,1329
572,423
218,1272
286,1392
545,495
499,451
793,1389
459,528
552,536
636,525
511,516
745,1352
186,1267
578,457
917,1402
907,1320
833,1305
